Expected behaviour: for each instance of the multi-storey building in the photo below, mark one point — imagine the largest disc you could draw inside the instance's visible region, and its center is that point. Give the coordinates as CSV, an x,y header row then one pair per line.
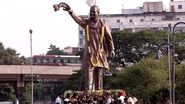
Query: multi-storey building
x,y
153,6
56,60
150,16
71,50
177,6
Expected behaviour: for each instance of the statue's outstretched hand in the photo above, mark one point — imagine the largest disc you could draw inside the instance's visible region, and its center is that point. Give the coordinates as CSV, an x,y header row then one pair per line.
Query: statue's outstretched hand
x,y
56,7
65,6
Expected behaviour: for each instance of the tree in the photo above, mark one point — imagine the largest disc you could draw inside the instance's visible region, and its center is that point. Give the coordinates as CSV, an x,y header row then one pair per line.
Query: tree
x,y
111,81
53,50
134,46
180,46
80,53
75,82
180,83
7,92
39,91
27,94
9,56
147,79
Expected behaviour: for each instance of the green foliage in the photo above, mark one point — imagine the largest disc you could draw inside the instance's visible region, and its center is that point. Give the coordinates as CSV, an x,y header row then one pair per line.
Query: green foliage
x,y
134,46
110,78
7,92
180,50
80,53
145,78
38,91
27,94
10,56
53,50
74,82
111,82
180,46
180,83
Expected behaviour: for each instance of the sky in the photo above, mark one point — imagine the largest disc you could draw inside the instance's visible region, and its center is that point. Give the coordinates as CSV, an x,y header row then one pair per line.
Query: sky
x,y
17,17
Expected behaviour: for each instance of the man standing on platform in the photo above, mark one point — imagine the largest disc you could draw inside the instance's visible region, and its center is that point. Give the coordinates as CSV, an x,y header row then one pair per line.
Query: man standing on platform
x,y
99,45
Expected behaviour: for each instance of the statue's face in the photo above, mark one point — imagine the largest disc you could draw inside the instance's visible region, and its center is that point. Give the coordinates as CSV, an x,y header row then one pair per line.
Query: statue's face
x,y
94,12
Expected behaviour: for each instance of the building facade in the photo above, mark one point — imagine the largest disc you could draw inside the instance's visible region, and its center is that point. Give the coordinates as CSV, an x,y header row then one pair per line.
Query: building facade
x,y
156,18
71,50
177,6
56,60
153,7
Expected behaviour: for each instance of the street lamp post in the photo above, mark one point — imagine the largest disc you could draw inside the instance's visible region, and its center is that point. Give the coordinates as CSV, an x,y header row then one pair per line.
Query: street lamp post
x,y
169,60
31,31
173,58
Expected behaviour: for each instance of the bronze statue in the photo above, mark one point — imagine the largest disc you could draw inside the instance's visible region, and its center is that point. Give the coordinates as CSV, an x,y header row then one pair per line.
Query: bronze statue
x,y
99,45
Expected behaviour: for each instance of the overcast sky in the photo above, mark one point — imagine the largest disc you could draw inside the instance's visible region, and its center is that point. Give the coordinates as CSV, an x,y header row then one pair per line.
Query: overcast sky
x,y
49,27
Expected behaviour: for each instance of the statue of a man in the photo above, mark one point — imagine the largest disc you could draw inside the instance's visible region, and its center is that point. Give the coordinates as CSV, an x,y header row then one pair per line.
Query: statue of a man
x,y
99,45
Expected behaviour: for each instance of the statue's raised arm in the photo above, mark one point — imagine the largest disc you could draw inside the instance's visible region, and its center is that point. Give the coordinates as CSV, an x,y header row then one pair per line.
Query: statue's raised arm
x,y
67,8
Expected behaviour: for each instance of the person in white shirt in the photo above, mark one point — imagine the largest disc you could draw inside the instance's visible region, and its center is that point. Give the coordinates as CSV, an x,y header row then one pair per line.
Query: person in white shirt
x,y
130,100
109,99
121,96
59,100
134,99
67,100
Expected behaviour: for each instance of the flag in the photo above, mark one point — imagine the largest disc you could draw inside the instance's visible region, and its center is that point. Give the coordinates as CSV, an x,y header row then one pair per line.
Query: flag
x,y
91,2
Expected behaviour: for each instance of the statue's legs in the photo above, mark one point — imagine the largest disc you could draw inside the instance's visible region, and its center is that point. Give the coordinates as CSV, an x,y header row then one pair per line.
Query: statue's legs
x,y
98,78
88,79
94,78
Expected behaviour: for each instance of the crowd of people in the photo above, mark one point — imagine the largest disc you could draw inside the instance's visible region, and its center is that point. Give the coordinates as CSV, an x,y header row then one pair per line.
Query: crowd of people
x,y
106,97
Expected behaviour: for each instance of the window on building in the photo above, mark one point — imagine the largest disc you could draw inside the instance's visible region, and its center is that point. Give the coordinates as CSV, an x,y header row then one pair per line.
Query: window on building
x,y
114,29
50,60
41,61
141,20
172,8
155,29
54,61
179,6
165,28
81,31
68,61
128,29
118,21
81,41
61,61
34,60
47,60
44,61
130,20
38,61
139,29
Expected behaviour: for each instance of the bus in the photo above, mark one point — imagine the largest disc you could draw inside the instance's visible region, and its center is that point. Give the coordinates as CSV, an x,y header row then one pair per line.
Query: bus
x,y
56,60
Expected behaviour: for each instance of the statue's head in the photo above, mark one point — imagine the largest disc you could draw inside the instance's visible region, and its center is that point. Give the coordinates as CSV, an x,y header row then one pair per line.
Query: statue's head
x,y
94,12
